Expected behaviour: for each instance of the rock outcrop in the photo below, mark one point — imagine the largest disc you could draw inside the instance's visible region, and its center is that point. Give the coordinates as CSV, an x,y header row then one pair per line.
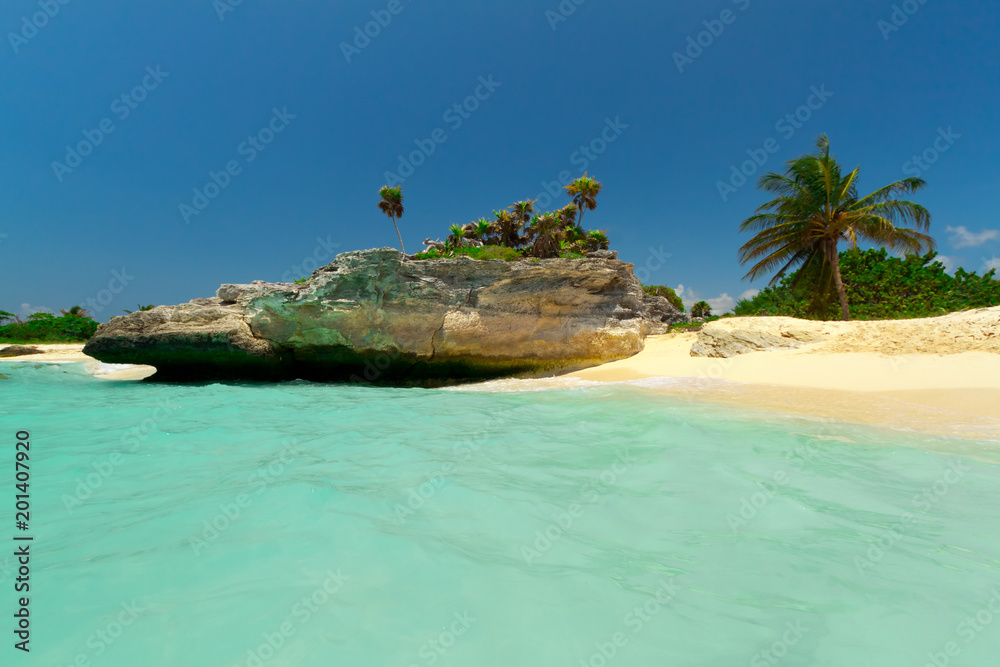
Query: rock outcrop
x,y
369,316
19,351
969,331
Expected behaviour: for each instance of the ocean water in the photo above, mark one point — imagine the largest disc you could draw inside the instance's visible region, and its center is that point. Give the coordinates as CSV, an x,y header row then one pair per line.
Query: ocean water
x,y
303,524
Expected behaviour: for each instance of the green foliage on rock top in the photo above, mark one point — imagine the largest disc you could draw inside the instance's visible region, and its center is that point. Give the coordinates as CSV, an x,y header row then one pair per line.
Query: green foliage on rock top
x,y
667,293
483,252
47,328
528,233
882,287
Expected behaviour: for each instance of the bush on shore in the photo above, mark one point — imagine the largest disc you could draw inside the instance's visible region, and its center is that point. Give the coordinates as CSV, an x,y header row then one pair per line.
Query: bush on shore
x,y
882,287
46,328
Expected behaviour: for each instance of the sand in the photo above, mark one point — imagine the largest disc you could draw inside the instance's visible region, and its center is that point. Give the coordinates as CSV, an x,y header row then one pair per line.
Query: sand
x,y
943,394
918,380
73,352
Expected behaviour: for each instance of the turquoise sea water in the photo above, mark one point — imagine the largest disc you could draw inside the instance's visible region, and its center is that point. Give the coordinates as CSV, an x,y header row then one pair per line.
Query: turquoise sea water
x,y
303,524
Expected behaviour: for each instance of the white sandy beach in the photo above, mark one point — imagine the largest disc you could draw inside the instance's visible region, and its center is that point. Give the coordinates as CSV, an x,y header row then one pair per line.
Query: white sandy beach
x,y
73,352
946,394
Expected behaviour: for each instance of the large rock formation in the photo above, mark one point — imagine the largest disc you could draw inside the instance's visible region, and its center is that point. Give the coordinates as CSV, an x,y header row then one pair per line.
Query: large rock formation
x,y
370,316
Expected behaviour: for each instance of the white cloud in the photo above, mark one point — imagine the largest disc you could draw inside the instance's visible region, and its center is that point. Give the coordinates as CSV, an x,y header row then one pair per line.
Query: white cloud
x,y
749,294
963,238
992,264
28,309
720,304
950,263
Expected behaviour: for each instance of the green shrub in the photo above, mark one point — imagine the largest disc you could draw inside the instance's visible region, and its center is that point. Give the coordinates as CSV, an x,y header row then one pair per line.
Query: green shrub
x,y
47,328
666,293
882,287
481,253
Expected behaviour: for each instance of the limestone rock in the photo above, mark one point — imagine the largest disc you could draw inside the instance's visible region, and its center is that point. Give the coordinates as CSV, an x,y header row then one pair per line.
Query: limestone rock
x,y
371,316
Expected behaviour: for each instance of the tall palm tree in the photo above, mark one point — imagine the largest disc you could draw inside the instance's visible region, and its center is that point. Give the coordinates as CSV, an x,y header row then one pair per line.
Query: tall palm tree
x,y
392,206
584,191
817,208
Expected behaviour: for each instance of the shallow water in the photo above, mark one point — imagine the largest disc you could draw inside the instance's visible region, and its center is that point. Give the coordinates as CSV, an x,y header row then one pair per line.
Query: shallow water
x,y
302,524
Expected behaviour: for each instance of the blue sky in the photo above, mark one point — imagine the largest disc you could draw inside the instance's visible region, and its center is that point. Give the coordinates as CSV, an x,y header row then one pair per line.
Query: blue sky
x,y
308,114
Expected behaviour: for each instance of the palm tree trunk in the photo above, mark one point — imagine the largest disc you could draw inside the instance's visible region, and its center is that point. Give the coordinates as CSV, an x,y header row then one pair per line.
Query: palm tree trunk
x,y
845,312
400,237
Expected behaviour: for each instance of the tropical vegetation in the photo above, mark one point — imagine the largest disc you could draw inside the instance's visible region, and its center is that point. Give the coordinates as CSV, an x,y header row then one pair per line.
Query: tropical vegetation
x,y
75,325
701,309
818,207
879,286
667,293
520,231
391,203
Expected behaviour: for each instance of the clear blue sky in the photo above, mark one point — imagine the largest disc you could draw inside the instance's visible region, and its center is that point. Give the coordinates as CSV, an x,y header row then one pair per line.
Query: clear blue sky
x,y
64,233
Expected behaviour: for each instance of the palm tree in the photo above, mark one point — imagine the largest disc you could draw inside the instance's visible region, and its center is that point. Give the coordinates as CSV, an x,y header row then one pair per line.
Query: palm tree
x,y
584,191
701,309
509,228
596,240
485,231
523,210
457,234
392,206
567,214
817,208
75,311
545,232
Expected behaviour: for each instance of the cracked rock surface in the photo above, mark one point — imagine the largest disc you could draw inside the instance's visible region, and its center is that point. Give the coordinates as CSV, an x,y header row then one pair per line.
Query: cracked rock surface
x,y
369,316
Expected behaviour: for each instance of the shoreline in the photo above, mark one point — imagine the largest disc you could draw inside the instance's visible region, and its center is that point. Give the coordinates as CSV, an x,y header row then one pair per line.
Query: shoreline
x,y
951,395
955,395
